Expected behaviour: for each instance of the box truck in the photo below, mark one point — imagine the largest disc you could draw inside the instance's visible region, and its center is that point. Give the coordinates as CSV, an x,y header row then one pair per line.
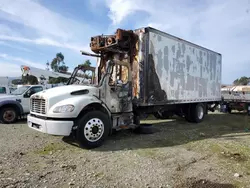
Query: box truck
x,y
142,71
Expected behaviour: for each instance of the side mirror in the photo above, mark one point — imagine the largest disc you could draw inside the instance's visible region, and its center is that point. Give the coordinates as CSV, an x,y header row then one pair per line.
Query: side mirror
x,y
32,92
29,93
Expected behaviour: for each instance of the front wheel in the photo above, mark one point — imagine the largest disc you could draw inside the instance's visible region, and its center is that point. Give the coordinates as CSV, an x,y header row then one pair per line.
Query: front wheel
x,y
8,115
93,129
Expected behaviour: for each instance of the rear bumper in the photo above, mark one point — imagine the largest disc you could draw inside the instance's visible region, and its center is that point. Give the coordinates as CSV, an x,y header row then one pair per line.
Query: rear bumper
x,y
54,127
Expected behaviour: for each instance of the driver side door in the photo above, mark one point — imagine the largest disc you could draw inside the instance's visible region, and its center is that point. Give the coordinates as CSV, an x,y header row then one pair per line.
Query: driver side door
x,y
121,88
25,102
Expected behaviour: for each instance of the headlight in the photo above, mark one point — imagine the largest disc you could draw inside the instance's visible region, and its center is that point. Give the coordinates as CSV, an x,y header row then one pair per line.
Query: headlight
x,y
64,108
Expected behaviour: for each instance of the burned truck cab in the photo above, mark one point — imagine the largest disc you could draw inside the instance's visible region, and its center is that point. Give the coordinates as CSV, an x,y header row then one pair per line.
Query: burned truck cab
x,y
117,53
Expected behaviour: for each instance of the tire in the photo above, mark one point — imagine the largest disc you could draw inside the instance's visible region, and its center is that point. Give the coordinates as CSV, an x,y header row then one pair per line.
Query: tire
x,y
93,123
8,115
197,113
144,129
193,114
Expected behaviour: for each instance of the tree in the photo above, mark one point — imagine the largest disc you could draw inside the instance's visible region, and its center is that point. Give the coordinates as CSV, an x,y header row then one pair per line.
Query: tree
x,y
29,79
55,63
87,63
63,68
17,81
57,80
47,66
242,81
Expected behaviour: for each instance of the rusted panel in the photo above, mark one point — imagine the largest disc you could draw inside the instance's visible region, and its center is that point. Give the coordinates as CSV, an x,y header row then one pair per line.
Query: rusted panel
x,y
124,46
136,68
121,42
141,69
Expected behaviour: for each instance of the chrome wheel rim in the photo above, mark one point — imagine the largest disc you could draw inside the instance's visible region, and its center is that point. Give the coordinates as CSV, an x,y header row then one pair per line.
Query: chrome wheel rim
x,y
94,130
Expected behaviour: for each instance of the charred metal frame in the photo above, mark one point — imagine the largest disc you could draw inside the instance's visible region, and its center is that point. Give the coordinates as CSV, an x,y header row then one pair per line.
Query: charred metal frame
x,y
121,45
81,67
121,42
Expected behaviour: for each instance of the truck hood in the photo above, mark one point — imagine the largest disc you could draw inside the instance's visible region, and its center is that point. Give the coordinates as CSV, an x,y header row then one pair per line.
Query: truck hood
x,y
54,95
8,97
63,90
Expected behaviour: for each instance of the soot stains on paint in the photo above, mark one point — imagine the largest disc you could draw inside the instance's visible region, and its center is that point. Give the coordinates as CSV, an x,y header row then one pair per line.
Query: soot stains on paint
x,y
212,66
208,63
190,83
177,92
142,68
173,49
179,67
166,59
201,63
178,53
202,87
189,62
159,38
159,63
183,48
156,94
173,76
183,70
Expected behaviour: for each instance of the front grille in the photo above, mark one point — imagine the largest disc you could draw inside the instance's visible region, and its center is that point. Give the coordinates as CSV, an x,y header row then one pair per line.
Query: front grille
x,y
38,106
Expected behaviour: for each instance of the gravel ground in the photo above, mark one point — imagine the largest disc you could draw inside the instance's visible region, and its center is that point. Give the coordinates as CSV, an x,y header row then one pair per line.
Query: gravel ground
x,y
213,154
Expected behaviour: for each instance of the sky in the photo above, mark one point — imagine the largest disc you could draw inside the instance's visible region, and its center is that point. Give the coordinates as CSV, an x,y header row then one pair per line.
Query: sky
x,y
33,31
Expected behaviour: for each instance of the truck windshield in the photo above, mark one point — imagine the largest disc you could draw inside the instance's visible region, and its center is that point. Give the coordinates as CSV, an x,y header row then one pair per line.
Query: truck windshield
x,y
20,90
81,76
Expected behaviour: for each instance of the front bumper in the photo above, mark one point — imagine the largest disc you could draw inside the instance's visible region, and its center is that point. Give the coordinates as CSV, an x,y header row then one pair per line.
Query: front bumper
x,y
54,127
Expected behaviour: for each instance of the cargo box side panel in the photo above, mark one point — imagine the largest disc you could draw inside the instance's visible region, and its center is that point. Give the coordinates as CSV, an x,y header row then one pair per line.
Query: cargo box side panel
x,y
181,72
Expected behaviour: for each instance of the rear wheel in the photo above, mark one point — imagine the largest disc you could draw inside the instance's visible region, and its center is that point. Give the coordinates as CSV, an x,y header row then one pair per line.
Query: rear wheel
x,y
195,113
198,113
93,129
8,115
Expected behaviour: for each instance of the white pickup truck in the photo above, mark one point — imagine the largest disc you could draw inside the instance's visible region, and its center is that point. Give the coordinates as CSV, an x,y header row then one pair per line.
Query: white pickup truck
x,y
17,103
6,89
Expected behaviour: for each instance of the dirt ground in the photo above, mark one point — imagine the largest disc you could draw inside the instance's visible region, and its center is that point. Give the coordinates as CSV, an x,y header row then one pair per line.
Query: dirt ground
x,y
212,154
